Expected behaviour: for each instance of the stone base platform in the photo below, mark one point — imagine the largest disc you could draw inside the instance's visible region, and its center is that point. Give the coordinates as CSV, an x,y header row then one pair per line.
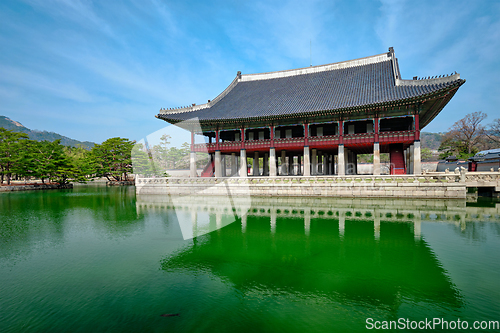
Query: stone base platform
x,y
357,186
33,187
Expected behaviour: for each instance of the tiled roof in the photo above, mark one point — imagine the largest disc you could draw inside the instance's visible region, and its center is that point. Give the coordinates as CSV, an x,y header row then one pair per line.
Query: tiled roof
x,y
357,83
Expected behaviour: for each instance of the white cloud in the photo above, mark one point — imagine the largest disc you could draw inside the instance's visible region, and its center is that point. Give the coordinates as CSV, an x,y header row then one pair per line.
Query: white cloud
x,y
35,82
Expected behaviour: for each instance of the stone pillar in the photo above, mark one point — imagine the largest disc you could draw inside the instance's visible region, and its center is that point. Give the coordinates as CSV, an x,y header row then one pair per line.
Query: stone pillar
x,y
290,164
355,162
284,169
407,155
272,162
325,163
224,166
330,162
233,164
218,167
314,163
255,164
417,163
341,161
243,163
376,158
320,165
192,165
412,156
265,165
307,163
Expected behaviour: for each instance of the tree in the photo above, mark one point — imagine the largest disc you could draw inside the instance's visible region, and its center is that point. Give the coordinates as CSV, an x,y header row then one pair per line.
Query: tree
x,y
142,163
47,160
80,157
426,154
464,136
493,132
161,151
10,146
112,158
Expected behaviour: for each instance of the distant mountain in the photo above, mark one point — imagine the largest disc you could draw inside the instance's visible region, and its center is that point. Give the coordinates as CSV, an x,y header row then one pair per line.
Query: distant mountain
x,y
431,140
15,126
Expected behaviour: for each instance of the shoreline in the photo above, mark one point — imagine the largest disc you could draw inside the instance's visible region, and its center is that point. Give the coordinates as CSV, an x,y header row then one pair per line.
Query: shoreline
x,y
34,187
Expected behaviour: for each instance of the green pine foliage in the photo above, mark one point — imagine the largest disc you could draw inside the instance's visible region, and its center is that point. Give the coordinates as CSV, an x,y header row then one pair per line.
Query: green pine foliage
x,y
143,163
11,143
27,159
112,159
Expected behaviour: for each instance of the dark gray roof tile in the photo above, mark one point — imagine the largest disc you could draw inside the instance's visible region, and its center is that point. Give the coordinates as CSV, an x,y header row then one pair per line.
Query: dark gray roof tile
x,y
326,89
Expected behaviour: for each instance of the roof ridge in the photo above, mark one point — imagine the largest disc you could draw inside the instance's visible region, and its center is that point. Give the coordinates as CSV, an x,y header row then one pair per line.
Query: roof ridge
x,y
319,68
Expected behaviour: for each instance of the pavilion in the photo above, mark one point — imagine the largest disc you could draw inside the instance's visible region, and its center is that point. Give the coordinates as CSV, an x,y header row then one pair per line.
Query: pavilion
x,y
315,120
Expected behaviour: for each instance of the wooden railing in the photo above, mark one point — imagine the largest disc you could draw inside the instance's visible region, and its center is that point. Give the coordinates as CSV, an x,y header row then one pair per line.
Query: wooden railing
x,y
398,136
318,141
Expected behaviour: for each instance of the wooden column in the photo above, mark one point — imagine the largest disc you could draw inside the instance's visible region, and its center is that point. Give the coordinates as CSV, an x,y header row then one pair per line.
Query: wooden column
x,y
271,131
417,163
217,139
376,148
307,160
242,137
376,158
306,134
341,132
417,126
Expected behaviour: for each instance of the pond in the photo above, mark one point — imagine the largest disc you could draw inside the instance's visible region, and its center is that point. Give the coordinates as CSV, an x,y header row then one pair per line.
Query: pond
x,y
99,259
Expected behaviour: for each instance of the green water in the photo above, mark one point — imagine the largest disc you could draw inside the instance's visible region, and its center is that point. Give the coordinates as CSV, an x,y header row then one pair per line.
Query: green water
x,y
97,259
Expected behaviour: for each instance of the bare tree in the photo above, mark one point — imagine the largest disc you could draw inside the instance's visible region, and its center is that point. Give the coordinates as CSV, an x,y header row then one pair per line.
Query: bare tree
x,y
493,131
464,137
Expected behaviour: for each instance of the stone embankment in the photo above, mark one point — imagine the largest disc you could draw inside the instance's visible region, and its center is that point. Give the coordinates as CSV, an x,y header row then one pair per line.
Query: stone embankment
x,y
31,187
403,186
120,183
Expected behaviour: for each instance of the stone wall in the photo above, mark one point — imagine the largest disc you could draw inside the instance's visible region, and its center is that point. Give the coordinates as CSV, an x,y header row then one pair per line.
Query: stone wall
x,y
34,187
403,186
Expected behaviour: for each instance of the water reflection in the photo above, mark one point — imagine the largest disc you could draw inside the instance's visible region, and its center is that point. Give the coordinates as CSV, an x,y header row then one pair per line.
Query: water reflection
x,y
357,251
30,220
101,259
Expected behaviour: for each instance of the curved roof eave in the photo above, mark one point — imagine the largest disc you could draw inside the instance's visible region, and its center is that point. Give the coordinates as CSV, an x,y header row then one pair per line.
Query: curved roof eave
x,y
393,103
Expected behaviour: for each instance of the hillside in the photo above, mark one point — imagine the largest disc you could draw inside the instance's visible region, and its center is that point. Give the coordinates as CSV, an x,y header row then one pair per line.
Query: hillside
x,y
431,140
15,126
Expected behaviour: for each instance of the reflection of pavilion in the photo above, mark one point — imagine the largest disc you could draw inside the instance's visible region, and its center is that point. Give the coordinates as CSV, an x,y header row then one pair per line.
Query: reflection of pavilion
x,y
336,251
412,212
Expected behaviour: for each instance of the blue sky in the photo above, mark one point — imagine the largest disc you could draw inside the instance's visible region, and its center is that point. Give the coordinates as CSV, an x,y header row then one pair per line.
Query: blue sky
x,y
92,70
